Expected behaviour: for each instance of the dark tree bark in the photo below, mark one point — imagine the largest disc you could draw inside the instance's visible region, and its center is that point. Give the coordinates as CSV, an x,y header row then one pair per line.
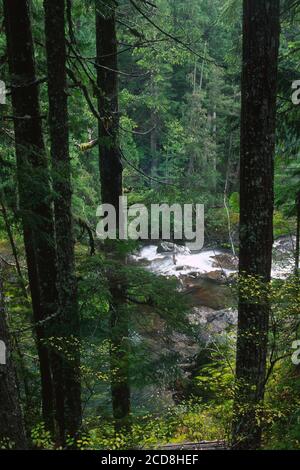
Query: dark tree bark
x,y
107,81
261,32
69,392
12,432
297,251
154,133
111,189
13,247
33,185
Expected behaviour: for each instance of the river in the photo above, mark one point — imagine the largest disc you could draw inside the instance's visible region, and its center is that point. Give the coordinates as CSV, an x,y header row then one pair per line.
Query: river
x,y
207,277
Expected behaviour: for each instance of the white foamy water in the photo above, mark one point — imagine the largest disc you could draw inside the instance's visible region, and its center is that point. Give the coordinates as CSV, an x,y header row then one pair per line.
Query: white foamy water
x,y
183,262
283,260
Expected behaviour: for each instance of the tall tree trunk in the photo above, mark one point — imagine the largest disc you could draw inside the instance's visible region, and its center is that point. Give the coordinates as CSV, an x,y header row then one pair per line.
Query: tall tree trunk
x,y
67,366
259,83
107,81
214,156
154,133
111,189
297,251
33,185
12,433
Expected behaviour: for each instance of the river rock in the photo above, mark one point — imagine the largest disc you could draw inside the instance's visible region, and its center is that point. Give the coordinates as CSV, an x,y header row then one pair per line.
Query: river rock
x,y
208,292
213,321
199,315
169,247
217,276
226,261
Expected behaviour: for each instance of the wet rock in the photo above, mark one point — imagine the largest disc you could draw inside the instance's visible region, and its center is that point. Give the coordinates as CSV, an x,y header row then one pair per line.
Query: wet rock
x,y
208,292
194,274
165,247
169,247
179,268
225,261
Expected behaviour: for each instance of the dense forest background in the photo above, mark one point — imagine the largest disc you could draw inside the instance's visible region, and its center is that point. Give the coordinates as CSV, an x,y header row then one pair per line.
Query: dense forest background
x,y
144,98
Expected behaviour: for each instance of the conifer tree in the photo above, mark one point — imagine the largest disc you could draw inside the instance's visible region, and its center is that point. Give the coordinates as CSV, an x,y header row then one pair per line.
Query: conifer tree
x,y
259,88
111,189
34,188
68,328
